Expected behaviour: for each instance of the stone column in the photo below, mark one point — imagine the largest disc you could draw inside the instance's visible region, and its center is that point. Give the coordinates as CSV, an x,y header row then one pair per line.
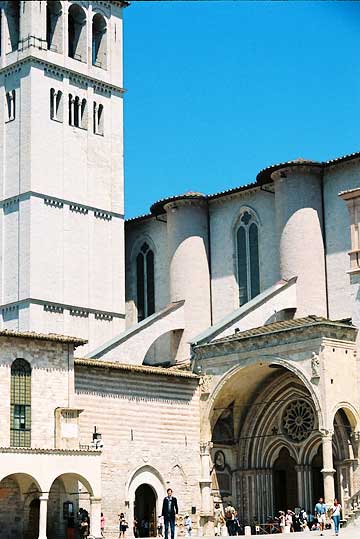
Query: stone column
x,y
328,468
95,512
43,516
307,478
300,485
205,480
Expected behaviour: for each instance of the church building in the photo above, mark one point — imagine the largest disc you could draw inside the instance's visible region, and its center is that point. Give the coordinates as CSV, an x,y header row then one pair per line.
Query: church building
x,y
210,346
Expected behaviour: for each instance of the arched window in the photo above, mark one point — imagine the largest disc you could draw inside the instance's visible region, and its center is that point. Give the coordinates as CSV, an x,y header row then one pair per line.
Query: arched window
x,y
20,404
77,33
56,105
99,41
54,26
12,11
145,282
247,243
98,119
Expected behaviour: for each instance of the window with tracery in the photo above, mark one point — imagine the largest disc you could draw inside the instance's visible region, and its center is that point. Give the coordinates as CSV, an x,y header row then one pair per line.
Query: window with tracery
x,y
247,244
145,286
20,404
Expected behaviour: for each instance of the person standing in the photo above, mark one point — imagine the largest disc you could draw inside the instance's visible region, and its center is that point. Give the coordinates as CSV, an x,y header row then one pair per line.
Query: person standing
x,y
169,511
336,514
320,514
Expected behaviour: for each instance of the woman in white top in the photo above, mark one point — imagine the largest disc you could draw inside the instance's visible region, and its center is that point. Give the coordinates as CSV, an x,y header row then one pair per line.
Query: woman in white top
x,y
336,514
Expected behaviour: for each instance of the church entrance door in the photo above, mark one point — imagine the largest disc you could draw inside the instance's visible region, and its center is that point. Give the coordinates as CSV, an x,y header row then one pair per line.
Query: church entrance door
x,y
145,510
285,482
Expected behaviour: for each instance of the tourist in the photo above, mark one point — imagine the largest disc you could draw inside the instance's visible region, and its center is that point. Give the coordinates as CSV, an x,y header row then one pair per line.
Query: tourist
x,y
102,524
84,524
169,511
219,519
144,527
123,525
289,520
336,513
303,518
230,519
282,521
188,525
320,514
160,526
136,527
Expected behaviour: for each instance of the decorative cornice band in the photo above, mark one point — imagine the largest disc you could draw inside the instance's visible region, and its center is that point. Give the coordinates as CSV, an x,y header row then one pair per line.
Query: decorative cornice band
x,y
15,67
60,202
54,307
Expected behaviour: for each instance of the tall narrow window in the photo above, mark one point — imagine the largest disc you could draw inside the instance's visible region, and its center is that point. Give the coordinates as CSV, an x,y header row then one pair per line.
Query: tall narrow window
x,y
54,26
145,282
99,41
83,114
247,243
20,404
10,106
56,107
98,119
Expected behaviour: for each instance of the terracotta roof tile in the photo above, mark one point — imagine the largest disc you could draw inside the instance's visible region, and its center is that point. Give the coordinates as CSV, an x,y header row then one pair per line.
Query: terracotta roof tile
x,y
42,336
145,369
284,325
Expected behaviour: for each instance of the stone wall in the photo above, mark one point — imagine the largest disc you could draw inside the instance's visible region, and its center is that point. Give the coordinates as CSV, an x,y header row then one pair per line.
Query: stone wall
x,y
51,385
150,429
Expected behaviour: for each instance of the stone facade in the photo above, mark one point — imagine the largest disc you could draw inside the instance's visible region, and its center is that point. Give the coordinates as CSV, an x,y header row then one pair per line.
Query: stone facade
x,y
232,371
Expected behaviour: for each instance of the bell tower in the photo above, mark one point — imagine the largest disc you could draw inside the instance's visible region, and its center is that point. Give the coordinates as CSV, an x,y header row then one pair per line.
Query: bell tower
x,y
61,174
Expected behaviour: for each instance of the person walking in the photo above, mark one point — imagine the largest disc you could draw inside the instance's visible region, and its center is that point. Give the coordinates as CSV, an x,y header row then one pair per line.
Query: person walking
x,y
188,525
219,519
230,519
123,525
336,514
102,524
169,511
320,514
160,526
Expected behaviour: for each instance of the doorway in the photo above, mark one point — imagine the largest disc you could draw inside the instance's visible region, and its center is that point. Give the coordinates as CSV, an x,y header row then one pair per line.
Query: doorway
x,y
285,482
32,531
317,477
145,511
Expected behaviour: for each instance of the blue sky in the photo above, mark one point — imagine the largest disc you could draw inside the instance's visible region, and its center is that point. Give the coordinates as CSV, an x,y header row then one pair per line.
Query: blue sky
x,y
218,90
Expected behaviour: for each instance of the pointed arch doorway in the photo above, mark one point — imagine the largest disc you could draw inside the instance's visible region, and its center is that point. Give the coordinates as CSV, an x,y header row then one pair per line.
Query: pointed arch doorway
x,y
145,510
285,482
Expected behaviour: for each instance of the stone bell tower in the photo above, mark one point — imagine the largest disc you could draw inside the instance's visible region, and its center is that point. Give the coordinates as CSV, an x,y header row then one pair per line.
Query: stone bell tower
x,y
61,174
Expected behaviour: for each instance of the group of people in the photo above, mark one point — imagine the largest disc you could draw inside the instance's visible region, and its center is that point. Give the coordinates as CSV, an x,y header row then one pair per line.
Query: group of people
x,y
301,520
289,521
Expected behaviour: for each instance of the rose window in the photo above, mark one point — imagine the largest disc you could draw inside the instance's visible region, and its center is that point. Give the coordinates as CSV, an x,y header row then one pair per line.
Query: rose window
x,y
298,420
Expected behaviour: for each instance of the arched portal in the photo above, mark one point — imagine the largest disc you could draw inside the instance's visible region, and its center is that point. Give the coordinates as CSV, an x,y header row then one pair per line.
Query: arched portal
x,y
149,476
69,499
145,510
265,419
